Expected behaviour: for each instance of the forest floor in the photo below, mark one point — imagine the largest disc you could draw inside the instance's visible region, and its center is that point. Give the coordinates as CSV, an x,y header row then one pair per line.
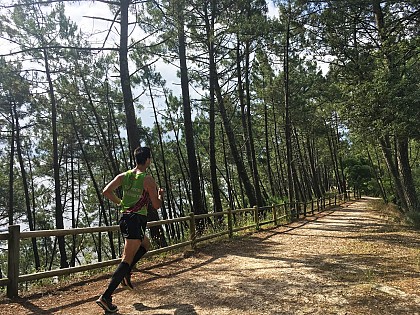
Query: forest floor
x,y
347,260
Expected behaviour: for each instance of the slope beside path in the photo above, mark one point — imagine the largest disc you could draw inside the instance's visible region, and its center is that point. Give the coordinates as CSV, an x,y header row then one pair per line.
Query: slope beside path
x,y
346,260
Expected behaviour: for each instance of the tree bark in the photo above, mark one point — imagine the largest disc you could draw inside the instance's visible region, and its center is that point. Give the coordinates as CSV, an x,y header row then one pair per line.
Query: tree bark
x,y
189,131
254,169
11,172
404,170
393,169
249,189
26,190
217,202
56,167
156,230
288,127
98,194
133,132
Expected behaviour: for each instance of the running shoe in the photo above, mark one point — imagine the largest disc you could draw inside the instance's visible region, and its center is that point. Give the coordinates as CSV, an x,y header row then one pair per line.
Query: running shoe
x,y
126,282
106,304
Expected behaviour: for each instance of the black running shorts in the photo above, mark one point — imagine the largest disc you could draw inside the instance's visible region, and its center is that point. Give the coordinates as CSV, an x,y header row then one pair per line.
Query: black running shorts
x,y
133,225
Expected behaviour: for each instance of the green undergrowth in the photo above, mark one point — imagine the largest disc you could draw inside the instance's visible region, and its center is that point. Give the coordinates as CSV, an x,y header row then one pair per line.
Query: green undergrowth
x,y
392,213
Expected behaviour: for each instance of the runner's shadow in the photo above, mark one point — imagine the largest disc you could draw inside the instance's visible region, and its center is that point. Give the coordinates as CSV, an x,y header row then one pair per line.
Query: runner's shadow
x,y
180,309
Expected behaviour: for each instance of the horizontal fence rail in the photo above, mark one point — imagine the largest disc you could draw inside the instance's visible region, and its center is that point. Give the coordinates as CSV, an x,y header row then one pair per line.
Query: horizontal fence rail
x,y
232,220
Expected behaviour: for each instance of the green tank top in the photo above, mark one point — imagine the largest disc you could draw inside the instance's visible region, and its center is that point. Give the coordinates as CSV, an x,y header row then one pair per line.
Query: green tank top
x,y
133,190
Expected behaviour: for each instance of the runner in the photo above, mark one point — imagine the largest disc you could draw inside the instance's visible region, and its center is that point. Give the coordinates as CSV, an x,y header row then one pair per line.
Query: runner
x,y
138,190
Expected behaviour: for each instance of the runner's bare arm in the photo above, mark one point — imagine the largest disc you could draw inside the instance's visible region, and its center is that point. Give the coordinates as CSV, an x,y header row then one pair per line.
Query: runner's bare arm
x,y
109,190
155,194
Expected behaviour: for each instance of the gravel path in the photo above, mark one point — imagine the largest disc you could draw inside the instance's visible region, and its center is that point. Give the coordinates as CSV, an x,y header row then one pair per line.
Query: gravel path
x,y
346,260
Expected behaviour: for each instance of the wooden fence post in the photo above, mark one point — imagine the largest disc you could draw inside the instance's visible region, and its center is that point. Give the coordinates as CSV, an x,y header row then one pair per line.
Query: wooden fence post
x,y
312,206
230,223
288,211
257,217
193,235
13,261
274,214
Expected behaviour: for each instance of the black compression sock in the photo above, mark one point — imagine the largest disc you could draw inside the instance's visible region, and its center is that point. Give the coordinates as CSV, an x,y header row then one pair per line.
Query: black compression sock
x,y
139,254
122,269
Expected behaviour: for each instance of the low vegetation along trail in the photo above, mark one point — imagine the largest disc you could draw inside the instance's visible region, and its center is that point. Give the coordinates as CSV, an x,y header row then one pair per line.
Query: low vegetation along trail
x,y
346,260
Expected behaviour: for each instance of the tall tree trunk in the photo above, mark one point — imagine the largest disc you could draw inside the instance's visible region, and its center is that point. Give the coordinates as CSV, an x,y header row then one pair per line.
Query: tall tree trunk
x,y
73,206
243,175
58,206
334,159
26,190
267,152
378,176
228,182
189,131
217,202
11,170
181,160
404,182
242,104
254,169
312,166
288,123
106,147
98,194
404,170
393,169
131,122
113,131
156,230
305,181
339,156
279,157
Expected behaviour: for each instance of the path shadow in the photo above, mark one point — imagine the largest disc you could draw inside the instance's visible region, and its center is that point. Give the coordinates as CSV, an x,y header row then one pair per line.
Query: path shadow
x,y
37,310
179,309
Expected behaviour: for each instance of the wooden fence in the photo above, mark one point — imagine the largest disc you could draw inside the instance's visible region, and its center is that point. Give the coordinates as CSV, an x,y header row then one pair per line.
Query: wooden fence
x,y
256,217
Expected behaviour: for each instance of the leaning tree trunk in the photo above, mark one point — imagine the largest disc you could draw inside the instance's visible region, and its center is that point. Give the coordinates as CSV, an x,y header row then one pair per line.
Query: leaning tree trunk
x,y
106,148
404,170
181,160
334,159
243,175
97,191
378,175
393,169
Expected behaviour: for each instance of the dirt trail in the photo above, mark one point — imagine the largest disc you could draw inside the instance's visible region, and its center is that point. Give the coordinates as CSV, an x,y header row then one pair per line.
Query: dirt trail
x,y
346,260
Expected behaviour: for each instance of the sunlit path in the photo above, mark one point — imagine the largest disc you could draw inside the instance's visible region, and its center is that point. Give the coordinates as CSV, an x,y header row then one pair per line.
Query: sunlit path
x,y
341,261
